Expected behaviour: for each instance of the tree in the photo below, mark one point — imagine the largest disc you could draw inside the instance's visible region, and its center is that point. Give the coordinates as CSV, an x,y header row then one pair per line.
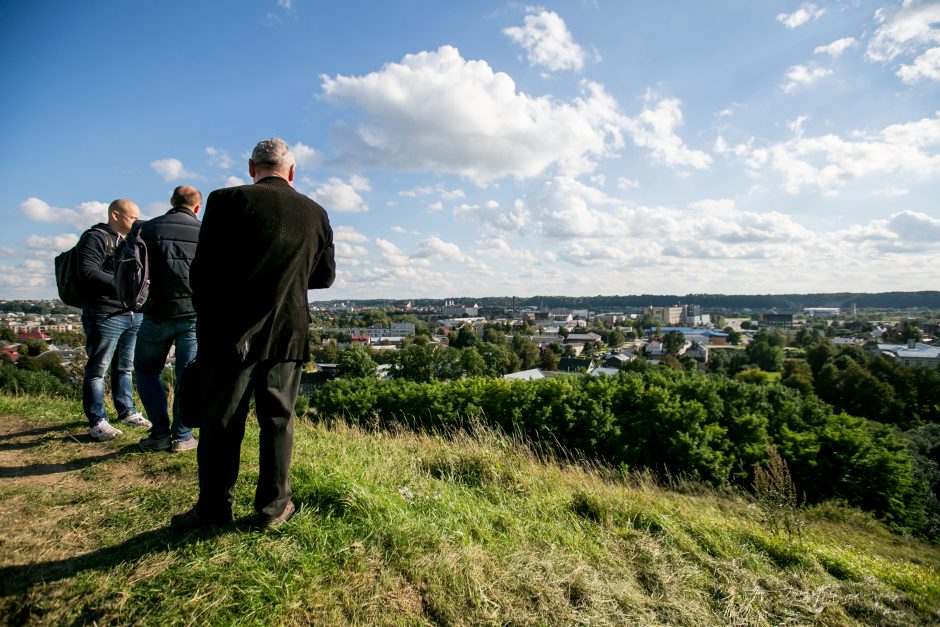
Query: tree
x,y
466,336
797,375
35,347
734,337
356,362
615,338
765,356
497,359
472,362
526,351
673,342
326,353
6,333
548,360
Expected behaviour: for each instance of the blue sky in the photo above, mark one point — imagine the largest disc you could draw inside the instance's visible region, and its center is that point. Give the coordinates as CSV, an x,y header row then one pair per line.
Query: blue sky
x,y
498,148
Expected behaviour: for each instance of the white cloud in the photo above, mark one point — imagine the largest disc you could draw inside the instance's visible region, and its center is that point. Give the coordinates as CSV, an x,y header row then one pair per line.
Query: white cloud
x,y
83,216
625,183
828,163
23,278
393,256
233,181
338,195
55,243
437,249
348,243
925,67
287,5
437,111
218,158
904,30
806,13
903,232
171,169
547,42
305,156
892,192
500,249
802,76
435,206
836,48
655,129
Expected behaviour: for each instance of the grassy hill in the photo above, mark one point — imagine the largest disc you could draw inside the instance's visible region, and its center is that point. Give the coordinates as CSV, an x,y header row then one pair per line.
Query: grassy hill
x,y
407,529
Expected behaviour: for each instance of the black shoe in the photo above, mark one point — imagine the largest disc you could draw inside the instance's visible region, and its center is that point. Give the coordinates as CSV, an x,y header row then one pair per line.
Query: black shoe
x,y
262,521
194,520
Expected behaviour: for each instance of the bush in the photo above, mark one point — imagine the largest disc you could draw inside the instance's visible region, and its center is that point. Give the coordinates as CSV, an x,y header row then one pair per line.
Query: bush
x,y
708,428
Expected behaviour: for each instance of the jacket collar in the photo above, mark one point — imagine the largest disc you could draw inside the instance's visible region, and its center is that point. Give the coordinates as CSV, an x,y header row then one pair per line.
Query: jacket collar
x,y
276,180
185,210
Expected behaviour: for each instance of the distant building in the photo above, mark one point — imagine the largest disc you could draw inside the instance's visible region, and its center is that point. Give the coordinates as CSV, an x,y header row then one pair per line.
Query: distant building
x,y
821,312
666,315
778,320
912,354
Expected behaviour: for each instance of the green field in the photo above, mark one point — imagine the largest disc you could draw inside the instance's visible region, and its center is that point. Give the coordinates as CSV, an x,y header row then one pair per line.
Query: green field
x,y
398,528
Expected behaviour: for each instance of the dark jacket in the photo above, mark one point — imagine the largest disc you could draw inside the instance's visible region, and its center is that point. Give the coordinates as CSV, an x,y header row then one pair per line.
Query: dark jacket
x,y
96,270
171,245
261,247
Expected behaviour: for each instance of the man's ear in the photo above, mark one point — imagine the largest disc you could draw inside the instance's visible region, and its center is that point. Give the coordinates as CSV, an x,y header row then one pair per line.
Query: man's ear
x,y
196,210
290,173
251,168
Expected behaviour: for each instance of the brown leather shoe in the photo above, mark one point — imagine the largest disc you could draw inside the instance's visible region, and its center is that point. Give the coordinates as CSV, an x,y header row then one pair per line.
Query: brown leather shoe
x,y
270,522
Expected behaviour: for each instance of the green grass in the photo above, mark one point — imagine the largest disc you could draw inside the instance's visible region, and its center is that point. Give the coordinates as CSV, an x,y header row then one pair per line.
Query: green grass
x,y
407,529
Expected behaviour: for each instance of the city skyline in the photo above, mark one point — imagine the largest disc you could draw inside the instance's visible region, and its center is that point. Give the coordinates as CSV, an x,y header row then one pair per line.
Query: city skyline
x,y
499,148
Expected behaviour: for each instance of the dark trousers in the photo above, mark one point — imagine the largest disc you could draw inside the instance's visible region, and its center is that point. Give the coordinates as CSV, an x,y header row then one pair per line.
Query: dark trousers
x,y
226,391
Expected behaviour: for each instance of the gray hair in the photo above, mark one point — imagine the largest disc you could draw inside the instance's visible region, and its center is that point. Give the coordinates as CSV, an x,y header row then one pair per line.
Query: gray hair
x,y
273,153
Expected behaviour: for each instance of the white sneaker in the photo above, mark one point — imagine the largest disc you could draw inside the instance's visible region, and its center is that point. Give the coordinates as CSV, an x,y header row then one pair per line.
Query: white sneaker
x,y
137,419
103,431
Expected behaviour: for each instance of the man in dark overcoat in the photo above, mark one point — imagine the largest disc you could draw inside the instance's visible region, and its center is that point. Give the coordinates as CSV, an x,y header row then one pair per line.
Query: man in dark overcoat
x,y
261,247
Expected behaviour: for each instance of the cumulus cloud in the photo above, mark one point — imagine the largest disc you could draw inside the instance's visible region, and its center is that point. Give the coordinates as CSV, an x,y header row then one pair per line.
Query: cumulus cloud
x,y
655,129
233,181
349,245
82,216
493,219
439,250
806,13
925,67
50,243
24,278
836,48
547,42
391,254
625,183
827,163
437,111
904,30
217,158
342,196
903,232
801,76
305,156
171,170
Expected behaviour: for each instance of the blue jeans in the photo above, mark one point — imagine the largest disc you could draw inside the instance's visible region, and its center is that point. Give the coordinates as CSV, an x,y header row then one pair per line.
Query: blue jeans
x,y
109,340
153,345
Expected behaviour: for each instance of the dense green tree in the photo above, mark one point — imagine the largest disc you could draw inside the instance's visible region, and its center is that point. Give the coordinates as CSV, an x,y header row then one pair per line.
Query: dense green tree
x,y
764,355
356,362
797,375
548,359
6,333
734,337
466,336
472,362
526,351
34,347
673,341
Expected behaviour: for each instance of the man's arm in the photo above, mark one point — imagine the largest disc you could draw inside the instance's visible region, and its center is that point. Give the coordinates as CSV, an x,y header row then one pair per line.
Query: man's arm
x,y
325,269
93,252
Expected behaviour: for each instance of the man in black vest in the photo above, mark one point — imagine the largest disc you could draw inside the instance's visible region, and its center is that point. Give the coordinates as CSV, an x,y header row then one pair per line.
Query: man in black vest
x,y
169,317
261,247
110,328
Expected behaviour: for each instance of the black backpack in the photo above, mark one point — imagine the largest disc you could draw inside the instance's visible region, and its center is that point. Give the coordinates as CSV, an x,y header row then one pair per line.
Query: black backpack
x,y
66,273
131,272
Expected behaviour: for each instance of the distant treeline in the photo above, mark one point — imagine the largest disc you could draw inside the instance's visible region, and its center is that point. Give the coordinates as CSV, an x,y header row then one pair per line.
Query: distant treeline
x,y
784,303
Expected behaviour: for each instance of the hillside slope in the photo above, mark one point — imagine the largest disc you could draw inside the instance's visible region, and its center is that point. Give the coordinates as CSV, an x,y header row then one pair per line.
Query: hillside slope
x,y
399,528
